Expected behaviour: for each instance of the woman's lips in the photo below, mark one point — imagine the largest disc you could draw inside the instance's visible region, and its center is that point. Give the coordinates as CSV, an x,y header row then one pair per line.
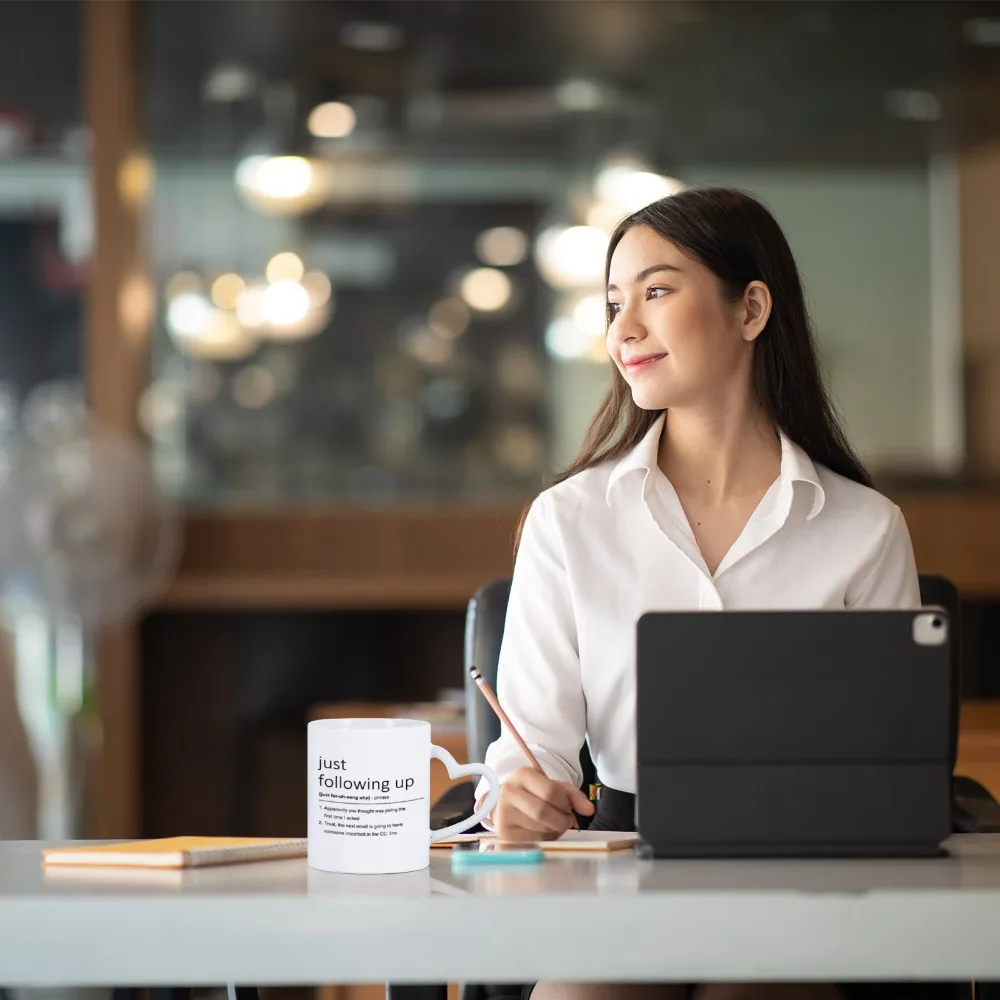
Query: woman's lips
x,y
637,364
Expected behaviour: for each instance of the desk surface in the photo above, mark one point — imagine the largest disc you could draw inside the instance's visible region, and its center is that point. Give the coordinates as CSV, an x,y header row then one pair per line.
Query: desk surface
x,y
587,918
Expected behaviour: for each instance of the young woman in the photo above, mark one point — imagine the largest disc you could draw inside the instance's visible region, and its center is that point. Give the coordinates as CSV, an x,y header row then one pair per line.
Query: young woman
x,y
715,475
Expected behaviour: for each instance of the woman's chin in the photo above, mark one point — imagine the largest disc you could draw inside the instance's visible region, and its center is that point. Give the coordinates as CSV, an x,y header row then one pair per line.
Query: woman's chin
x,y
648,400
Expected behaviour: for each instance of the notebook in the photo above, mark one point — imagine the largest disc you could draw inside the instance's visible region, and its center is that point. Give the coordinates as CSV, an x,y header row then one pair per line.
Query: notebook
x,y
572,840
176,852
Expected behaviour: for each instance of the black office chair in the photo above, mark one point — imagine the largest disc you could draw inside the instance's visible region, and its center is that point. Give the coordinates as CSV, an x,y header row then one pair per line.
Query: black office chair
x,y
974,809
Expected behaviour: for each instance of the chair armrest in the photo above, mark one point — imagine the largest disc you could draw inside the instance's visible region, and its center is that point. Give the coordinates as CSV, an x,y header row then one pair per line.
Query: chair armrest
x,y
456,804
973,808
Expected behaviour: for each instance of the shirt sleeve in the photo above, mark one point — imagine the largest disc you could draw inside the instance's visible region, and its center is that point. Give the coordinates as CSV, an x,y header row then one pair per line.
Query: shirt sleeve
x,y
893,583
538,682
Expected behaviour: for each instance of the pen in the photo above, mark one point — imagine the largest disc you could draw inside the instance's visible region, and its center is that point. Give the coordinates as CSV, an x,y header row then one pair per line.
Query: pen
x,y
494,703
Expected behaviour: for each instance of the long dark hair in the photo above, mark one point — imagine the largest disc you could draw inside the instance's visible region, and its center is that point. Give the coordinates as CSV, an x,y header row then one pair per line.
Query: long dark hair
x,y
738,239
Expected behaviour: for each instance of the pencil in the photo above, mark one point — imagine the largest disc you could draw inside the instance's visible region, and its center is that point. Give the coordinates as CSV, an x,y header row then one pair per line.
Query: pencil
x,y
494,703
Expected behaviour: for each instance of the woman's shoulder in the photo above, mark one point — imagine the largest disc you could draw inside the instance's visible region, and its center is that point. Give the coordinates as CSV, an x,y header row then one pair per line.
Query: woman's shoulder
x,y
845,498
579,492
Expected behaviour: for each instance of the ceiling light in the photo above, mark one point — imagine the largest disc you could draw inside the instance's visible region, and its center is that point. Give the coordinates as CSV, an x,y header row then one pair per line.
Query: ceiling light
x,y
227,289
181,282
228,82
590,315
503,246
285,266
520,448
332,120
422,343
486,289
631,188
279,176
565,340
289,313
250,306
605,215
189,314
580,95
285,303
136,176
201,331
317,285
225,340
983,31
572,257
160,406
280,184
371,36
448,317
913,105
254,386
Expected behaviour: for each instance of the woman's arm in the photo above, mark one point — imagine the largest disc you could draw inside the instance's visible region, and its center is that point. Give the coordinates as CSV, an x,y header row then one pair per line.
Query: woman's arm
x,y
538,682
892,581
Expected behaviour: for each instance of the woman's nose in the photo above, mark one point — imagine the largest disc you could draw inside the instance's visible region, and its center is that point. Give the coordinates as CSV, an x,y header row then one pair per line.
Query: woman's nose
x,y
627,326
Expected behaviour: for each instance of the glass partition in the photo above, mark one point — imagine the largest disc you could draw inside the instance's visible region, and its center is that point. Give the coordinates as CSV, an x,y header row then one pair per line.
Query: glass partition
x,y
379,228
46,224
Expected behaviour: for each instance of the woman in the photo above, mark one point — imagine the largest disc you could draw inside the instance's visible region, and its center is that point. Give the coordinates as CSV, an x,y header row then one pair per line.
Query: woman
x,y
714,475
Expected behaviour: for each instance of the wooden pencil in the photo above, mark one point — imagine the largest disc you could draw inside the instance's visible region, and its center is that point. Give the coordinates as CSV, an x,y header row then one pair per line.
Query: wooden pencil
x,y
494,703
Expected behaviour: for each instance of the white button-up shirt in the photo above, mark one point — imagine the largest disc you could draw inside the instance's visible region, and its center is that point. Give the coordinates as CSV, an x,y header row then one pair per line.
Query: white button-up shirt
x,y
610,543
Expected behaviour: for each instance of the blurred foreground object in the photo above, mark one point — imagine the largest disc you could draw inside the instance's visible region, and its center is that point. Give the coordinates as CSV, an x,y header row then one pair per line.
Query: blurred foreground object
x,y
86,540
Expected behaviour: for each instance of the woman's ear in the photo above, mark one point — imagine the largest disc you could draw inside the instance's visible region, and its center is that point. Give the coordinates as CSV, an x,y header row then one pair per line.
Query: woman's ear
x,y
756,309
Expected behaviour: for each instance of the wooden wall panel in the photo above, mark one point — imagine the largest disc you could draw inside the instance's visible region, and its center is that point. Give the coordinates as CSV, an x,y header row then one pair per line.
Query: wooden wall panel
x,y
118,314
433,558
436,558
957,534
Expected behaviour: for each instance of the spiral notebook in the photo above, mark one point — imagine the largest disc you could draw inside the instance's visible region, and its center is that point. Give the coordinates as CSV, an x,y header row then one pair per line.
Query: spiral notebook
x,y
176,852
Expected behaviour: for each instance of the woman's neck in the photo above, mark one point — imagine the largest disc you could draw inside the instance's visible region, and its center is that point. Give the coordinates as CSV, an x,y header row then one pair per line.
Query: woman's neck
x,y
719,454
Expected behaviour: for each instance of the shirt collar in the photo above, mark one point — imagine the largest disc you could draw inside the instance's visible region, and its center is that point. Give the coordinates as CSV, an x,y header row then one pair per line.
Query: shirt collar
x,y
796,465
642,458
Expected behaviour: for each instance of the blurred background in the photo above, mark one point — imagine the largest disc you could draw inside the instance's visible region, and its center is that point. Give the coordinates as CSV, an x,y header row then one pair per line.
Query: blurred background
x,y
300,300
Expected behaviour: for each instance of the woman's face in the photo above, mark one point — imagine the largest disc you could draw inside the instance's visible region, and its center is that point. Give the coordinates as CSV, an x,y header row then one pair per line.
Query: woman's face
x,y
674,336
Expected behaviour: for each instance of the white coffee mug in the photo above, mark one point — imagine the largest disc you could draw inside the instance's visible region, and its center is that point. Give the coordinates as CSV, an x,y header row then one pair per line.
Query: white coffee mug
x,y
369,795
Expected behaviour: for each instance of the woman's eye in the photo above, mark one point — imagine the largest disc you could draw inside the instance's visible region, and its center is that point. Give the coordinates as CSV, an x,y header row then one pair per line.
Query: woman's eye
x,y
655,293
614,308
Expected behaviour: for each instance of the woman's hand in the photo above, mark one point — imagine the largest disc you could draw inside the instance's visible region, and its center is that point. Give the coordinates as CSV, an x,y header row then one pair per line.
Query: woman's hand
x,y
534,807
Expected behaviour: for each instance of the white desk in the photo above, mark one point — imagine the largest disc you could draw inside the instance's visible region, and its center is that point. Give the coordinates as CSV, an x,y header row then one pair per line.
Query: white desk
x,y
616,917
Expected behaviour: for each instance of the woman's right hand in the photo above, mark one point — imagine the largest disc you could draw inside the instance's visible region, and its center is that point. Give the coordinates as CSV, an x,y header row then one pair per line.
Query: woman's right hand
x,y
534,807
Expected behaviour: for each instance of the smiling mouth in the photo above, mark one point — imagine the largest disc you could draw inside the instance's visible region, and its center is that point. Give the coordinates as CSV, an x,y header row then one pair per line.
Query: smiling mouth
x,y
638,364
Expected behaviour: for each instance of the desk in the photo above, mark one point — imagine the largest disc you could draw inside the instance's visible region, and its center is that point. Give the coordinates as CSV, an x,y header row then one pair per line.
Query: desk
x,y
280,923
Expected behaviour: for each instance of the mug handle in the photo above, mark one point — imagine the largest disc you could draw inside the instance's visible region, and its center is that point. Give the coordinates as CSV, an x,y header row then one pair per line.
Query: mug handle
x,y
456,770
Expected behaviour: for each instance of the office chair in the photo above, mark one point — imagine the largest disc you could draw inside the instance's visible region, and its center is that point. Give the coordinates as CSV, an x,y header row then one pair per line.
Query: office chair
x,y
973,808
484,623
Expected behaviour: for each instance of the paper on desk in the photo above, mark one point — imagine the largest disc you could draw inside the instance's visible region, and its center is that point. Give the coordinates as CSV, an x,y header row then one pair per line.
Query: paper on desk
x,y
571,840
